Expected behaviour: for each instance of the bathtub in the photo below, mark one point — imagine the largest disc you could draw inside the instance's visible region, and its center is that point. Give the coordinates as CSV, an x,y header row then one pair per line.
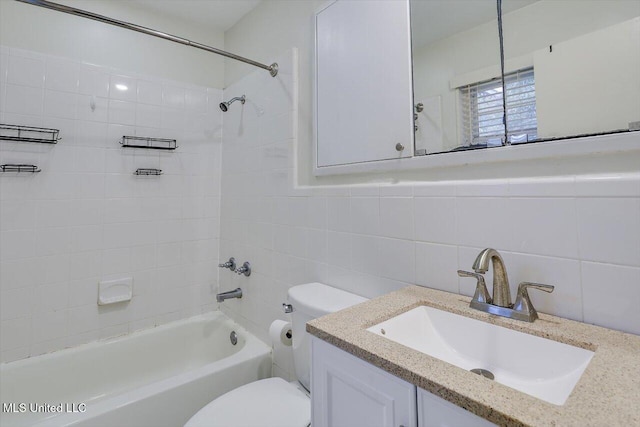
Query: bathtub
x,y
156,377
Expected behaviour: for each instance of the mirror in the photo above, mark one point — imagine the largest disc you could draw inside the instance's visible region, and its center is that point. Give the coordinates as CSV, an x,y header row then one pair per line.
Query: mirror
x,y
585,58
572,67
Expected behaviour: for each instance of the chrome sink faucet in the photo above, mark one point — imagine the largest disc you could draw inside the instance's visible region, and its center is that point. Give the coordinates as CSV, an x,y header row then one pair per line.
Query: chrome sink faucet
x,y
501,292
500,304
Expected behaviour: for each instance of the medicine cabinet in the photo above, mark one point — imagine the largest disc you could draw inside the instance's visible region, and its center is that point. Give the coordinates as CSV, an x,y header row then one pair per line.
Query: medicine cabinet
x,y
398,80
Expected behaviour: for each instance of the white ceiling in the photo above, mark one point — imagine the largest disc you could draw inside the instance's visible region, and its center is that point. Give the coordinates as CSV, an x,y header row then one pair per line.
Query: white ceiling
x,y
433,20
219,14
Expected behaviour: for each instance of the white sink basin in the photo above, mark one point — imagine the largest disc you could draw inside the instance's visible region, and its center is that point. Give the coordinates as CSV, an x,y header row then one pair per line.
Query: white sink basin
x,y
542,368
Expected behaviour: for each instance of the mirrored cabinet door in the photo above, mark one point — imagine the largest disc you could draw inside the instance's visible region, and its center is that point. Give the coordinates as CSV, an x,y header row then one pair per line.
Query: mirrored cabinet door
x,y
571,68
584,57
456,74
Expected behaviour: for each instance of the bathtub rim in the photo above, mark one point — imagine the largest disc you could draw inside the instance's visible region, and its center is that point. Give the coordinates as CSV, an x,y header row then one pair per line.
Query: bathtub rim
x,y
126,337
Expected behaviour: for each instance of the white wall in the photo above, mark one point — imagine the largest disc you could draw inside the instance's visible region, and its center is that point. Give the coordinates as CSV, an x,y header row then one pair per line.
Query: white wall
x,y
34,28
87,218
580,233
263,34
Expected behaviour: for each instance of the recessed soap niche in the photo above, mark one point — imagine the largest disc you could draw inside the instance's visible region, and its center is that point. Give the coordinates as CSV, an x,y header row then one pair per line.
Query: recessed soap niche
x,y
115,291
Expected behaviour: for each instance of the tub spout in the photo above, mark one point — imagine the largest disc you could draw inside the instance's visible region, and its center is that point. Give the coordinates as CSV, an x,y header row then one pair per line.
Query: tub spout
x,y
236,293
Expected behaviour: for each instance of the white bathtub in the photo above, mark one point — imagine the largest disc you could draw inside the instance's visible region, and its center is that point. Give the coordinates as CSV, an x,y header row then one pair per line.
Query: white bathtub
x,y
157,377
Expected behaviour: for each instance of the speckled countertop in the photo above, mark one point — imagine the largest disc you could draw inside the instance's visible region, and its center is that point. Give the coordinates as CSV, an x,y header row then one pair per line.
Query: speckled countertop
x,y
607,394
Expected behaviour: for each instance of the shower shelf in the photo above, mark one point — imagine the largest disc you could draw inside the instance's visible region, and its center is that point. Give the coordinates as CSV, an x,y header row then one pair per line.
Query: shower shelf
x,y
19,168
148,171
29,134
149,143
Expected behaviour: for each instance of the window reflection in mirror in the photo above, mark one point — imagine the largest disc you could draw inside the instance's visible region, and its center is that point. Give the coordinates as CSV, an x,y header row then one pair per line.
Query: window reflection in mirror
x,y
482,111
572,67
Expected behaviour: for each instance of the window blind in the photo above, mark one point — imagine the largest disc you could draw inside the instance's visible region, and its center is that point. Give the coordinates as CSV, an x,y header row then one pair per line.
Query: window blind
x,y
481,112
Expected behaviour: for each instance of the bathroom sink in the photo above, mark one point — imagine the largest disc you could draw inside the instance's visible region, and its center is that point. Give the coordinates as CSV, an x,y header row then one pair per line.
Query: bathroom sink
x,y
545,369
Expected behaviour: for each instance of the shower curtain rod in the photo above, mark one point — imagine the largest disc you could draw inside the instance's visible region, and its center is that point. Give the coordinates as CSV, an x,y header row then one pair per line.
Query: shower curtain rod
x,y
273,68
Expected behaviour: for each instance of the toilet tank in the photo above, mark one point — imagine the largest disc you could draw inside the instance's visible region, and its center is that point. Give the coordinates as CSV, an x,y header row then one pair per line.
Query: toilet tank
x,y
310,301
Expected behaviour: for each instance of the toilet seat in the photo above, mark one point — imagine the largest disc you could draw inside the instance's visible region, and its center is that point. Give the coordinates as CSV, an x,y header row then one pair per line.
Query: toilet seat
x,y
272,402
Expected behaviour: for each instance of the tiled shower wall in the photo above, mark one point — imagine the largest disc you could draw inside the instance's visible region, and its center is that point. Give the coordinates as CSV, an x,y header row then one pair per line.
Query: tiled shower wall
x,y
87,218
579,233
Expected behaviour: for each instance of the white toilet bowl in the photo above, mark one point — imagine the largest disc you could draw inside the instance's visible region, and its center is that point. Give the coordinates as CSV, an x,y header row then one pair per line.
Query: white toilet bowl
x,y
272,402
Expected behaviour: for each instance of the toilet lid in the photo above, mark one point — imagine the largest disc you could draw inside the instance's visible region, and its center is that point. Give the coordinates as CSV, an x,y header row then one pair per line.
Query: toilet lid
x,y
270,403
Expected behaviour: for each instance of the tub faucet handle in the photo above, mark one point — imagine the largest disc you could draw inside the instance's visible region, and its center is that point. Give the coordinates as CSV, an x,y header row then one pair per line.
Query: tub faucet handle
x,y
245,269
231,264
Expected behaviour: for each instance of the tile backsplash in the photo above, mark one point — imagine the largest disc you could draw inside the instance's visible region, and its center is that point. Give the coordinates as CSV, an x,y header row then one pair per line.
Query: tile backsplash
x,y
87,218
579,233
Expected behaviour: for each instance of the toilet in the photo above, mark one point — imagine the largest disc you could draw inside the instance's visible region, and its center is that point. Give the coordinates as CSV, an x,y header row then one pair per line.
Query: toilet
x,y
273,401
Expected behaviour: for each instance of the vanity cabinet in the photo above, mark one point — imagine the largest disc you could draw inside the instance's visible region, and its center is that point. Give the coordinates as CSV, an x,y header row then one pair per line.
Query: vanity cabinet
x,y
347,391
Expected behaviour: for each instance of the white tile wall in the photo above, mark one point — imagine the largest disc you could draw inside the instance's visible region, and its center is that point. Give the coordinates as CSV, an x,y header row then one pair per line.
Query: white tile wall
x,y
372,239
87,218
611,295
616,243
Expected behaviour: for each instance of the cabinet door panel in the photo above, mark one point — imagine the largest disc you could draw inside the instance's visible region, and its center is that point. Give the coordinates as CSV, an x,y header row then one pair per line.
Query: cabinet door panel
x,y
363,82
348,392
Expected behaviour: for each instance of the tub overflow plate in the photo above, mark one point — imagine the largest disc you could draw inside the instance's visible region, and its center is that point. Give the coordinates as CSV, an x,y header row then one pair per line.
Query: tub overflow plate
x,y
233,337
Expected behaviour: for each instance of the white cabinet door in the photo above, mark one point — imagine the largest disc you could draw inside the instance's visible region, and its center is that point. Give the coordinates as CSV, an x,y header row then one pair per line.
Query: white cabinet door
x,y
349,392
434,411
364,96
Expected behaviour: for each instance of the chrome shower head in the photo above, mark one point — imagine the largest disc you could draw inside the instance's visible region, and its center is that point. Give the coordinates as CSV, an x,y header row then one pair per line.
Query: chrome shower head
x,y
224,106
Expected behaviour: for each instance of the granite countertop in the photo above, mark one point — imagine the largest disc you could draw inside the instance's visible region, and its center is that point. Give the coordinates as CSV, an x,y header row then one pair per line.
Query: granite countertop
x,y
607,394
